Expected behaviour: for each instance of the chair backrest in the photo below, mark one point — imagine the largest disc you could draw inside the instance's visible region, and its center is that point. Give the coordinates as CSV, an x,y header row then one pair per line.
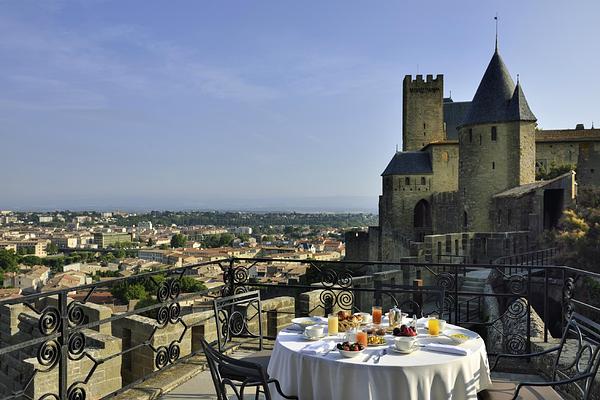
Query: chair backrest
x,y
578,355
223,369
239,316
415,300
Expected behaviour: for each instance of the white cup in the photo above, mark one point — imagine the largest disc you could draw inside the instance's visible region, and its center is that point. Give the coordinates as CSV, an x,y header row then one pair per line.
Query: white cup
x,y
405,343
314,331
442,323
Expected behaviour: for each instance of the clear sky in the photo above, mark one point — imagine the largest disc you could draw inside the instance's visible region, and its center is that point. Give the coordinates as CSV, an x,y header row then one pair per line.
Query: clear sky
x,y
250,104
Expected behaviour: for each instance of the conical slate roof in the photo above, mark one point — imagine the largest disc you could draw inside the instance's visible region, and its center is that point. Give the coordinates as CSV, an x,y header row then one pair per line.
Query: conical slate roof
x,y
492,101
518,109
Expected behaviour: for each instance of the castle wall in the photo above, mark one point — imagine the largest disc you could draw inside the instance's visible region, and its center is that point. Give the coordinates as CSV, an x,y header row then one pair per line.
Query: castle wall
x,y
401,193
525,151
555,154
422,111
357,246
491,166
444,159
588,169
525,212
446,213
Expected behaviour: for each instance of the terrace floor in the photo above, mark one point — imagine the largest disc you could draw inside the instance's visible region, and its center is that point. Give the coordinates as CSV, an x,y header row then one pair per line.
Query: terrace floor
x,y
200,387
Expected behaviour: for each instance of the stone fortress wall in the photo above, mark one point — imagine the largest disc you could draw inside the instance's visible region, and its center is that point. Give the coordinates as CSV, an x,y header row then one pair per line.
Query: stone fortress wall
x,y
490,164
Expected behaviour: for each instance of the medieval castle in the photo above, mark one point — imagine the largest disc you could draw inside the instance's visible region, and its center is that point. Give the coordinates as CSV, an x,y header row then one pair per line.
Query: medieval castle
x,y
464,188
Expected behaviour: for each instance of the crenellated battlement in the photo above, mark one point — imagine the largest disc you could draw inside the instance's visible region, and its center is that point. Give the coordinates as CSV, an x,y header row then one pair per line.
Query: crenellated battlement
x,y
429,80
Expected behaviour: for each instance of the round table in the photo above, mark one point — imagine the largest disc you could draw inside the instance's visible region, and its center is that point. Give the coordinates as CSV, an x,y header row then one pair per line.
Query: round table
x,y
421,375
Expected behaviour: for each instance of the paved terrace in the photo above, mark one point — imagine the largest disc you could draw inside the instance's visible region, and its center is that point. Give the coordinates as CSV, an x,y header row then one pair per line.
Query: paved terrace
x,y
54,347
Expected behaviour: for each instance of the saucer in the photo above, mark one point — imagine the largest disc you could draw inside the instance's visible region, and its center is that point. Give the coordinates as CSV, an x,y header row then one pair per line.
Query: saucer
x,y
394,349
313,338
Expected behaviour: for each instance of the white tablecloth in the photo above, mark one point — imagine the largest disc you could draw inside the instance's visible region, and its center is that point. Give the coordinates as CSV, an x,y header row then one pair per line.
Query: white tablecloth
x,y
421,375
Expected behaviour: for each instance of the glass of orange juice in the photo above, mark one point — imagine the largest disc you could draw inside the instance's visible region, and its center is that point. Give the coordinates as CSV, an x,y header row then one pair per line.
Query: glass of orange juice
x,y
434,326
377,313
332,324
361,337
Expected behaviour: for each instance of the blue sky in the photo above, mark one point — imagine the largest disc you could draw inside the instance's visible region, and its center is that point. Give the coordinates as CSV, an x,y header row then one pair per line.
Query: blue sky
x,y
263,104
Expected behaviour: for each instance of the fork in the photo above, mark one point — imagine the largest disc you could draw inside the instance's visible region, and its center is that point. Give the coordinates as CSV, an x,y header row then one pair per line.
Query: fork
x,y
378,356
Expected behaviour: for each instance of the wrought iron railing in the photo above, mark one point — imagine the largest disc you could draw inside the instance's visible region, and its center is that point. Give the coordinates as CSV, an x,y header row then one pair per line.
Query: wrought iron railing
x,y
55,347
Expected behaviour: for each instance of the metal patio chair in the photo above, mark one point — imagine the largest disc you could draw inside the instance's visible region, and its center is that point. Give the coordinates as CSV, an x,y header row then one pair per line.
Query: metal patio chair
x,y
238,375
577,370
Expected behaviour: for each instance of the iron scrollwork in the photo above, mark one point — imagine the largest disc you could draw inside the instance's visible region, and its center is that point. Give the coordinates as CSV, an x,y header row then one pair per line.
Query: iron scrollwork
x,y
515,344
76,343
166,355
445,280
48,354
162,357
76,393
75,313
517,284
49,321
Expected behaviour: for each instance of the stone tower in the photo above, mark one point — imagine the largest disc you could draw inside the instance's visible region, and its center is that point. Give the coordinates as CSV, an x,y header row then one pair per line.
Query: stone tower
x,y
422,111
496,145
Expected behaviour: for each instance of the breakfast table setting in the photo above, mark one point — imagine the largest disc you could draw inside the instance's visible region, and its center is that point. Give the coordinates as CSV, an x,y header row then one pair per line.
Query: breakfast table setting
x,y
372,356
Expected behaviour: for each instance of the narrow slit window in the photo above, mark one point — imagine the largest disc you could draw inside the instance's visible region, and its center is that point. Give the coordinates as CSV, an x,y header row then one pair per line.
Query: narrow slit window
x,y
470,135
494,134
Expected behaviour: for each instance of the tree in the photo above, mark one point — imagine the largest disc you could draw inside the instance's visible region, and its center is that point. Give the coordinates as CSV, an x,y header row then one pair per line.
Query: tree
x,y
191,285
578,233
125,292
178,240
553,171
150,242
244,237
31,260
163,246
51,248
9,261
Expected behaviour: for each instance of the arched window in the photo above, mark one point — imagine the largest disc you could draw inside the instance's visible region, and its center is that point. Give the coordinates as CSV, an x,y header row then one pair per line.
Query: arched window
x,y
494,133
407,181
423,181
465,219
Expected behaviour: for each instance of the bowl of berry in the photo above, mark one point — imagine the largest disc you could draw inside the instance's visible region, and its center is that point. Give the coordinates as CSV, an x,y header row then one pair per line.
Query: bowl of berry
x,y
405,330
350,350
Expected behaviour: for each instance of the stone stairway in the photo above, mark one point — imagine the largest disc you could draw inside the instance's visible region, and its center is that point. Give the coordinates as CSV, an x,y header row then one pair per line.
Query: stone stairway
x,y
469,305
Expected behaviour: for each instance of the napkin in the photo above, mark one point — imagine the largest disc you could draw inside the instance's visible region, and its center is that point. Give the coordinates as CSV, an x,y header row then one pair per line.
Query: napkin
x,y
318,348
446,348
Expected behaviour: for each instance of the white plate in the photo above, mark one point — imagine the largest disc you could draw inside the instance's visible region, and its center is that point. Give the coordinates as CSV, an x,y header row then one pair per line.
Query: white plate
x,y
394,349
313,338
